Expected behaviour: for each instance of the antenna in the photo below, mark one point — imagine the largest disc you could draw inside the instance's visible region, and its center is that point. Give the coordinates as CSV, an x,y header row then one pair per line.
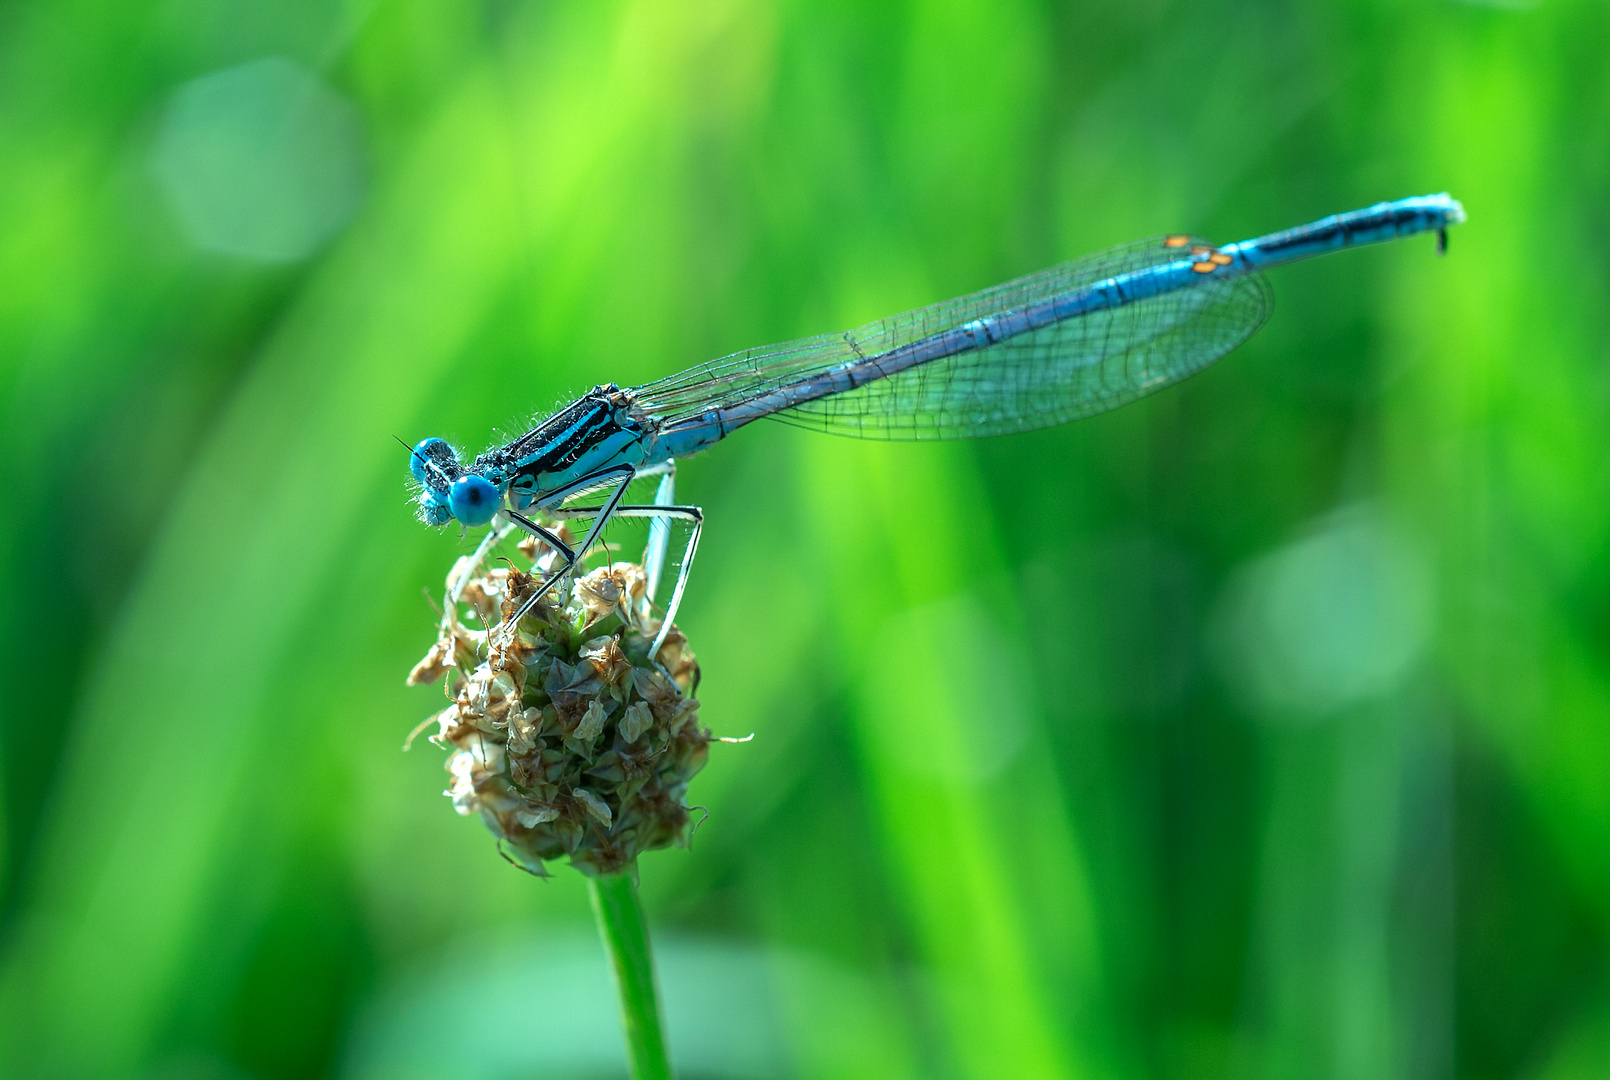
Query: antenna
x,y
413,452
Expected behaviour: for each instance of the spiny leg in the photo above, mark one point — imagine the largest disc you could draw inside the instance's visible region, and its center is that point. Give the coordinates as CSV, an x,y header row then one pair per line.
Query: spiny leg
x,y
605,512
602,478
667,514
564,551
547,536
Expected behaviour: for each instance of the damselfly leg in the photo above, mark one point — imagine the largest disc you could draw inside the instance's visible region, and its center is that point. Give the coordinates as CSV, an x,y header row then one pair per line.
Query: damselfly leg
x,y
693,515
659,531
620,476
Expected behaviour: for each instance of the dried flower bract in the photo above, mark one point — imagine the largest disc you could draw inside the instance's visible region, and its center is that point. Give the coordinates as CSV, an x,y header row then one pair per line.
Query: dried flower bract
x,y
566,739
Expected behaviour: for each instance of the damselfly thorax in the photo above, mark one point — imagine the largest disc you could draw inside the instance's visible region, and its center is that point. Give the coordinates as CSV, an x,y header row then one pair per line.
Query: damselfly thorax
x,y
598,431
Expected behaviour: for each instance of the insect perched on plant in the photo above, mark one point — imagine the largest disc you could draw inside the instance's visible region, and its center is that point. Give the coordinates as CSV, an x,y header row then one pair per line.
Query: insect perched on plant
x,y
1077,339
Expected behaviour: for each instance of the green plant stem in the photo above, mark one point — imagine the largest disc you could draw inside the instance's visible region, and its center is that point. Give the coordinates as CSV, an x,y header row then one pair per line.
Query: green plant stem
x,y
620,921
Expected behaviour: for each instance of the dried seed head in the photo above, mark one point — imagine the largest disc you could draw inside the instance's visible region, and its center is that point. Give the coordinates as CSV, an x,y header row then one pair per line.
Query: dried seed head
x,y
565,738
620,589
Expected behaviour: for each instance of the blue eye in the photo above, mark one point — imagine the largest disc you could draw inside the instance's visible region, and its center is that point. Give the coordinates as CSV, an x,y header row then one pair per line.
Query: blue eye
x,y
473,499
431,451
433,508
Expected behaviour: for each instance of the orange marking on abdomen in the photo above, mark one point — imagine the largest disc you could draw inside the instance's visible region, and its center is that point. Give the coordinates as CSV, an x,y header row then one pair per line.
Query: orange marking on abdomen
x,y
1176,241
1219,258
1206,266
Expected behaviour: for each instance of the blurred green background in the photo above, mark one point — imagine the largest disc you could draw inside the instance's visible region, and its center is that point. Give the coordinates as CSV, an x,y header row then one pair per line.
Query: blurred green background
x,y
1261,729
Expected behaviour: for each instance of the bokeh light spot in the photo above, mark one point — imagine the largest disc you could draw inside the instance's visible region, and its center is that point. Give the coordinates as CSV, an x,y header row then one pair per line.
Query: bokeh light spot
x,y
261,161
1332,620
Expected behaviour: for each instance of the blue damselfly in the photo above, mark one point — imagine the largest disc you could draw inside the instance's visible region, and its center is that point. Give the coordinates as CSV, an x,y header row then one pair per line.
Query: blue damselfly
x,y
1077,339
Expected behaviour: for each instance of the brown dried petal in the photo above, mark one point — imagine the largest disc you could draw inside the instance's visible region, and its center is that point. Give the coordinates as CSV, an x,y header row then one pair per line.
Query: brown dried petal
x,y
591,726
620,589
656,689
447,725
594,806
609,662
636,721
470,774
435,663
597,593
685,710
674,656
523,728
537,815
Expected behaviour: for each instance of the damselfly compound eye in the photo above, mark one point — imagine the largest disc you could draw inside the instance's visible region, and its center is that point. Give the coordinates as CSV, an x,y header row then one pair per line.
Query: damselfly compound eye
x,y
430,452
433,509
473,499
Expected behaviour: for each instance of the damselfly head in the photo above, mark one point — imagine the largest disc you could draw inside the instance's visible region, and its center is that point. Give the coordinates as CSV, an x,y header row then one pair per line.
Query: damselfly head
x,y
447,490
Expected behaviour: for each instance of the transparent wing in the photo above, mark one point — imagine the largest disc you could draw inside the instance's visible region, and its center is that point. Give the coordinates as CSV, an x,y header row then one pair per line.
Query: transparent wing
x,y
1073,368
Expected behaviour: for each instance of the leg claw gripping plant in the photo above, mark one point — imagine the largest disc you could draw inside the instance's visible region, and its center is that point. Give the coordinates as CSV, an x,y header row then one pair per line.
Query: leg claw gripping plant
x,y
568,739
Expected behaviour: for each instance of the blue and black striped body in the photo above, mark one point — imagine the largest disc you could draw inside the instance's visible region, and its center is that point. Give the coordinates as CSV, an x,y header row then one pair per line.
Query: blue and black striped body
x,y
596,431
1068,342
1383,221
